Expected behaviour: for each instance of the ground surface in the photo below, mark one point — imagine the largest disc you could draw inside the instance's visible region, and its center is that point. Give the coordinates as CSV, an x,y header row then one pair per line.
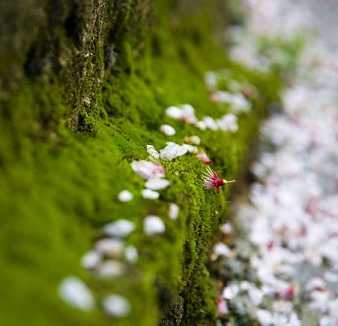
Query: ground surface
x,y
287,265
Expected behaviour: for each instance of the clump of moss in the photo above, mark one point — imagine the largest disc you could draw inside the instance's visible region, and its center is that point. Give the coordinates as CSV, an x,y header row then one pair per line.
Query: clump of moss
x,y
66,149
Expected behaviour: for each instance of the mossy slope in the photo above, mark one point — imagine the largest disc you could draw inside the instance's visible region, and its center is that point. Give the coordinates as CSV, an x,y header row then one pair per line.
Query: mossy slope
x,y
66,153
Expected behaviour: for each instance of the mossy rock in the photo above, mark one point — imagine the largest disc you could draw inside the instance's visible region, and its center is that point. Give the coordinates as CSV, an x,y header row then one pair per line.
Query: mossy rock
x,y
84,86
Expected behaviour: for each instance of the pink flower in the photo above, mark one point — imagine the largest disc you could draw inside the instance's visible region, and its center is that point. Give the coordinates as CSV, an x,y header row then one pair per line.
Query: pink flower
x,y
203,157
211,180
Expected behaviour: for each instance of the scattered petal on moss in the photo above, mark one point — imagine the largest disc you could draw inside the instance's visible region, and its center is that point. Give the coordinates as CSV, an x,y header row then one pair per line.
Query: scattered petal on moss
x,y
172,150
153,225
110,247
91,259
150,194
174,211
193,140
131,254
153,152
203,157
120,228
148,170
157,184
168,130
110,269
73,291
125,196
116,306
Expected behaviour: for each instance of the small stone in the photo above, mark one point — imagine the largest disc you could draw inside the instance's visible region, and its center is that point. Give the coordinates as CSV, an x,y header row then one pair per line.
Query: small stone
x,y
73,291
174,210
168,130
91,259
153,225
157,184
116,306
120,228
150,194
125,196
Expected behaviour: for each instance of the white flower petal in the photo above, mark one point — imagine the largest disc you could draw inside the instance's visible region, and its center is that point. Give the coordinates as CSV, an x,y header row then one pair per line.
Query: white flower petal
x,y
110,269
150,194
153,225
73,291
157,184
120,228
193,140
153,152
125,196
174,211
172,150
168,130
148,170
131,254
116,306
91,259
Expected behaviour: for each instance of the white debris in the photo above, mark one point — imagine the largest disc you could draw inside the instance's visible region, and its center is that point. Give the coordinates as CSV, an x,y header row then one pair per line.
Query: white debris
x,y
119,228
73,291
125,196
153,225
168,130
116,306
150,194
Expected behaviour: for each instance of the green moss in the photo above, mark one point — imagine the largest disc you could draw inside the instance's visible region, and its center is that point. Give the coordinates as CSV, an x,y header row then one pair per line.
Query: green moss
x,y
58,185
